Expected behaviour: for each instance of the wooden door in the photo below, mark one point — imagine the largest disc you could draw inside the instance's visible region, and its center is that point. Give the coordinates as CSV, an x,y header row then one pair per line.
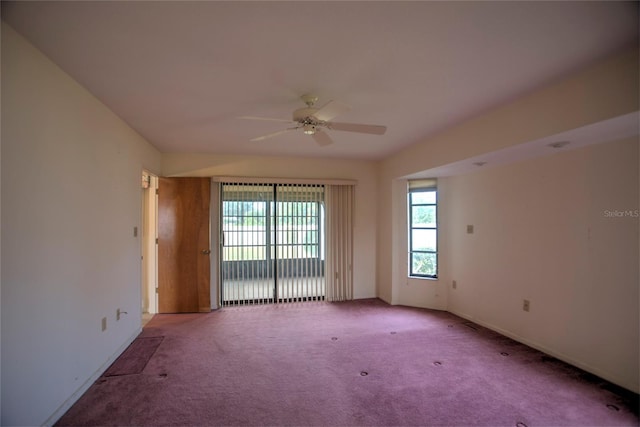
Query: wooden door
x,y
184,245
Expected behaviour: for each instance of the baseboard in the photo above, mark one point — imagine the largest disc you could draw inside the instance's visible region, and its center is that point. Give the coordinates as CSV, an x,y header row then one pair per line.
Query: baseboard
x,y
605,375
384,299
85,386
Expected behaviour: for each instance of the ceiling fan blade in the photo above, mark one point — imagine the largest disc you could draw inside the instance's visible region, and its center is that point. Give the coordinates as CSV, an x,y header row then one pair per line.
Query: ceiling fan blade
x,y
265,118
355,127
270,135
330,110
322,138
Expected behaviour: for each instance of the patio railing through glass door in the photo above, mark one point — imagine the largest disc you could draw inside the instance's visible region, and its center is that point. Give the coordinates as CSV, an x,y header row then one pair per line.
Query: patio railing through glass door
x,y
272,243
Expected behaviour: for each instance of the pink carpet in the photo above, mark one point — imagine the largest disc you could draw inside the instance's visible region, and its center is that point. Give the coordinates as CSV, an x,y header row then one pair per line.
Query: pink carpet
x,y
343,364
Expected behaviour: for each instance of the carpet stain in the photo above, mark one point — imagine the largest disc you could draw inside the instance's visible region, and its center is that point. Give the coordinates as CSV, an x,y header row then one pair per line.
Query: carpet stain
x,y
135,358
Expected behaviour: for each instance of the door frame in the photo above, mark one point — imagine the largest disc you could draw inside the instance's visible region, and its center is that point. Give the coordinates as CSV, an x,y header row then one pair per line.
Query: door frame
x,y
149,248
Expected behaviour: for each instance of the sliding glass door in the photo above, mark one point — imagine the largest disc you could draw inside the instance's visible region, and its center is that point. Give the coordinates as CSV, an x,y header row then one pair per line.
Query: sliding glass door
x,y
272,243
247,264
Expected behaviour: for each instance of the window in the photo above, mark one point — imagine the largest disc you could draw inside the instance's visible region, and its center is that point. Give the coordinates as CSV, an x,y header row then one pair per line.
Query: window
x,y
299,226
249,225
423,228
246,217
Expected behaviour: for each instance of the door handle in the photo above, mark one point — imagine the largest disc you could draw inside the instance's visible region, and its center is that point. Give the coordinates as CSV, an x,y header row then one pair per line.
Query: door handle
x,y
205,251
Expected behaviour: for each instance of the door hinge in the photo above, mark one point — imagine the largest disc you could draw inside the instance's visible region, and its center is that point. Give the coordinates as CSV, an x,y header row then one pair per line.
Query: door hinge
x,y
156,240
156,290
157,191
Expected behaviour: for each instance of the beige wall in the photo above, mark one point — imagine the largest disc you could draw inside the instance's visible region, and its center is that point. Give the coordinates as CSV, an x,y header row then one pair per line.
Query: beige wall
x,y
603,91
71,197
547,230
364,172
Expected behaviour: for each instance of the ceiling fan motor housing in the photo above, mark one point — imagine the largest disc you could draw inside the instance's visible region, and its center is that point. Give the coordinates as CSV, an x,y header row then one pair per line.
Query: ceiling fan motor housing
x,y
305,115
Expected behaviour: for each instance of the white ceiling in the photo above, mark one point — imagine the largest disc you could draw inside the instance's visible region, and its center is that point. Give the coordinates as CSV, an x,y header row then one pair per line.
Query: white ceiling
x,y
180,73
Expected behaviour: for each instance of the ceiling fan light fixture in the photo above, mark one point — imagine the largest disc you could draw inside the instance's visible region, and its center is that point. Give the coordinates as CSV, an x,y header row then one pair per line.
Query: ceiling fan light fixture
x,y
313,121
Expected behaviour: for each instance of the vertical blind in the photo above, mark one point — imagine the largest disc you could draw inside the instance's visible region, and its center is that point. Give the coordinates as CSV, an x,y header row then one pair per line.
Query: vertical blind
x,y
339,201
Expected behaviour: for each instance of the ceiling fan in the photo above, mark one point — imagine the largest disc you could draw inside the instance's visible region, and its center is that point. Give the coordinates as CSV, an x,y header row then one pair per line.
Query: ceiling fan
x,y
314,121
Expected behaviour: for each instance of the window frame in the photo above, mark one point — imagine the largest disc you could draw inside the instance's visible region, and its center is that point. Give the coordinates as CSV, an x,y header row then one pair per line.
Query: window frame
x,y
414,187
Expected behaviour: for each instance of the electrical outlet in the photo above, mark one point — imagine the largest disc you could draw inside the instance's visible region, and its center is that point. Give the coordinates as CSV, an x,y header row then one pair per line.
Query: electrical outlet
x,y
104,324
454,284
469,229
526,305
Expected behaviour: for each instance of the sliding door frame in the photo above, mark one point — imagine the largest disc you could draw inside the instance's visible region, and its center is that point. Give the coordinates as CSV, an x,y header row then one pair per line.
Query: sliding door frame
x,y
283,251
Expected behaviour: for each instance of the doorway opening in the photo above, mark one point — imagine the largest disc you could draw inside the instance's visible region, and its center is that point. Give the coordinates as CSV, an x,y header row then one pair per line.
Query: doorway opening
x,y
272,243
149,241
